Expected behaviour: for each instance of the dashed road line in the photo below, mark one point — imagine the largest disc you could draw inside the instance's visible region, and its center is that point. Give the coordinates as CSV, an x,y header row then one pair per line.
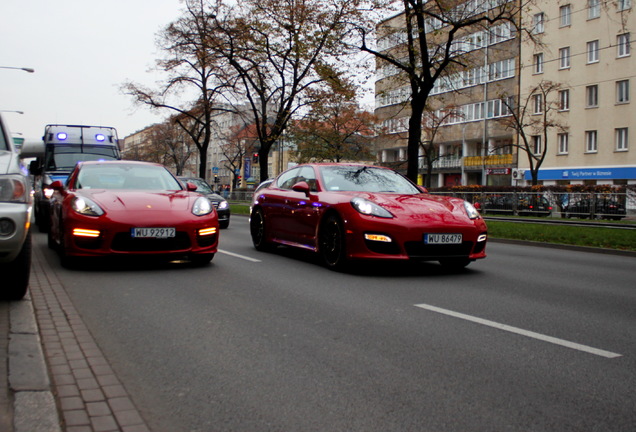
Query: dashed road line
x,y
522,332
235,255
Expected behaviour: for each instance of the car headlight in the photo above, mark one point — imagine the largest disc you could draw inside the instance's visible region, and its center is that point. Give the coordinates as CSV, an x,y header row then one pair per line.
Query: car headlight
x,y
471,211
367,207
86,207
13,188
223,205
202,206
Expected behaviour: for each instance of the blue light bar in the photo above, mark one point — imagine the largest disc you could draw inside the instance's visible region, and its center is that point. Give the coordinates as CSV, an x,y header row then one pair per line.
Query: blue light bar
x,y
100,137
62,136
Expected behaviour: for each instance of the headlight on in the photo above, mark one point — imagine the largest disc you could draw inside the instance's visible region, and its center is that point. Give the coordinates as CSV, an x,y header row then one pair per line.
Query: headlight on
x,y
86,207
471,211
202,207
367,207
13,188
223,205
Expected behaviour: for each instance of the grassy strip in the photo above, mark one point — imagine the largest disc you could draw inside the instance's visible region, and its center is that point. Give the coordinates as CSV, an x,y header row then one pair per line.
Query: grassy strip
x,y
240,208
608,238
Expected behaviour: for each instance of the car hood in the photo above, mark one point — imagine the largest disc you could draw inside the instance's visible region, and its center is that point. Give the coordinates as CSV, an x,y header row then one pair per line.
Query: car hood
x,y
422,207
136,200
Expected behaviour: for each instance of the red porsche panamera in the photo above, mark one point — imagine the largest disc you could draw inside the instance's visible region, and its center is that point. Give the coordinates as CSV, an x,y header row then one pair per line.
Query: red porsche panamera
x,y
124,208
348,212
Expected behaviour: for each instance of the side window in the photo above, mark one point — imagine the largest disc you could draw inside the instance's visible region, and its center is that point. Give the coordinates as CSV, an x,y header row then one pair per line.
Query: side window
x,y
288,179
307,175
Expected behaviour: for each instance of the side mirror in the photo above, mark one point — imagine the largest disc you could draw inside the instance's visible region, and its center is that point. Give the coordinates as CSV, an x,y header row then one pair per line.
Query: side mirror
x,y
422,188
301,187
57,185
35,168
191,187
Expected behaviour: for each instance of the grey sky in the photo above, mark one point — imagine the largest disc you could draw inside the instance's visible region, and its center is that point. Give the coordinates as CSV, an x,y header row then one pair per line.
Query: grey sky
x,y
82,51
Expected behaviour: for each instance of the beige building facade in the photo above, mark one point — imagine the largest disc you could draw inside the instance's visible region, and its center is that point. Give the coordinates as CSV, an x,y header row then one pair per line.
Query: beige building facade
x,y
585,47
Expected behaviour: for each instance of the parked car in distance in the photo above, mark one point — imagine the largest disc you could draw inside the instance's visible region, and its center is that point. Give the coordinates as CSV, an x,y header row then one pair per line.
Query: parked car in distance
x,y
347,212
603,208
15,220
127,208
220,204
516,204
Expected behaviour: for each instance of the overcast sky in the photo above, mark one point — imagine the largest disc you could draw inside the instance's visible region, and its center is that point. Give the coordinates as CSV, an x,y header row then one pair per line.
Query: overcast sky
x,y
82,52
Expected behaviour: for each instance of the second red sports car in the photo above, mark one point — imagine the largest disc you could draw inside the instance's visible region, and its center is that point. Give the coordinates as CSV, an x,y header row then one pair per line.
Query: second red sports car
x,y
124,208
347,211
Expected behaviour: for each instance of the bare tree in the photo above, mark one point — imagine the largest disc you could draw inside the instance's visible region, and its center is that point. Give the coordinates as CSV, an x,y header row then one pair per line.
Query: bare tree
x,y
277,50
533,120
428,48
191,66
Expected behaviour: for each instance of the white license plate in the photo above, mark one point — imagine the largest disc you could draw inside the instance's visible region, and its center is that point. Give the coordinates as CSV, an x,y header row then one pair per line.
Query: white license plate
x,y
442,238
153,232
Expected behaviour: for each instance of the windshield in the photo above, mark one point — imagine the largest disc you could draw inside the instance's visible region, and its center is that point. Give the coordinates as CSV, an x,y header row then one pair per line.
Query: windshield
x,y
126,176
64,157
366,179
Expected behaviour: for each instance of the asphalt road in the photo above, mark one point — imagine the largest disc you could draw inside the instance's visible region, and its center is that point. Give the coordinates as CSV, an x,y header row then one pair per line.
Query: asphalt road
x,y
529,339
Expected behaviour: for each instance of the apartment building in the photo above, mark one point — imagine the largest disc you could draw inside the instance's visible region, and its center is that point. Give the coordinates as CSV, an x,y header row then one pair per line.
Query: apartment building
x,y
581,47
585,47
462,122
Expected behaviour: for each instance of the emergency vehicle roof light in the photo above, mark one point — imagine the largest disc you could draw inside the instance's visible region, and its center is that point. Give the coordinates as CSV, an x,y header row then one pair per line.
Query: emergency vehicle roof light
x,y
100,137
62,136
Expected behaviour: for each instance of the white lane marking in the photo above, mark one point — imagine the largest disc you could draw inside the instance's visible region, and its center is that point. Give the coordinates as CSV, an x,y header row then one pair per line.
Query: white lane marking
x,y
246,258
521,332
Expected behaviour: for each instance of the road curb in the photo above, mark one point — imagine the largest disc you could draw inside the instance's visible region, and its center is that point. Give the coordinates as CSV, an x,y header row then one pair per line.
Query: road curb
x,y
35,409
565,247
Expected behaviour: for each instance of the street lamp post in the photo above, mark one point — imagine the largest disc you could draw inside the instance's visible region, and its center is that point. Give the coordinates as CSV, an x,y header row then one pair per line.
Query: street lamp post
x,y
29,70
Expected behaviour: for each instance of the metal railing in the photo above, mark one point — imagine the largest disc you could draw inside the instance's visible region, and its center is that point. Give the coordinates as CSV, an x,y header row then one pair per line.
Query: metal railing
x,y
583,205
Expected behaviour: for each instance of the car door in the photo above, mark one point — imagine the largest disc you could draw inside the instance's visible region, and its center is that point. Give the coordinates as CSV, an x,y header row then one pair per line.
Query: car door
x,y
275,202
303,211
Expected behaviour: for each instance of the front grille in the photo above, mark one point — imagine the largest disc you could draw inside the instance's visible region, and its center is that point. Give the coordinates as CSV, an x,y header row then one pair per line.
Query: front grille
x,y
422,250
125,243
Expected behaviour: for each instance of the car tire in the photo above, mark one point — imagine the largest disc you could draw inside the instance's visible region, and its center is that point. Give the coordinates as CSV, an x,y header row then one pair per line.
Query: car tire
x,y
19,272
257,231
224,224
331,243
201,260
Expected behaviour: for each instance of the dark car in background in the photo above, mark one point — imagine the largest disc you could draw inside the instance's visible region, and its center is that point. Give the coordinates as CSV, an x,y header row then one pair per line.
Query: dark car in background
x,y
516,204
220,203
602,208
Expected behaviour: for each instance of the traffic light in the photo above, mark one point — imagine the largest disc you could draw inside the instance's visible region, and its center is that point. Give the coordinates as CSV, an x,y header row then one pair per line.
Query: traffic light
x,y
216,179
255,158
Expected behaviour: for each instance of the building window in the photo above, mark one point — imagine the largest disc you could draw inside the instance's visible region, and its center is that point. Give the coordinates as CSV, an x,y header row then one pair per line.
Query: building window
x,y
622,136
593,9
591,96
563,140
624,5
536,144
564,58
538,63
622,42
538,22
564,100
537,102
590,142
622,91
592,52
565,13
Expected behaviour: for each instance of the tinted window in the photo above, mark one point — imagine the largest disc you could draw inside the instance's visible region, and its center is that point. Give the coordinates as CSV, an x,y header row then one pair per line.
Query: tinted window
x,y
288,179
125,176
366,179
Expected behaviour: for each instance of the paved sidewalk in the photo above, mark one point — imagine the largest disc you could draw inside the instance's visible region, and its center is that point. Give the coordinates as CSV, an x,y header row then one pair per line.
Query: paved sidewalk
x,y
56,377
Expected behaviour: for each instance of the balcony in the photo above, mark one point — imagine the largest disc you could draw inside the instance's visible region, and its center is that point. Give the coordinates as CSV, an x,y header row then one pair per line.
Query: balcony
x,y
488,161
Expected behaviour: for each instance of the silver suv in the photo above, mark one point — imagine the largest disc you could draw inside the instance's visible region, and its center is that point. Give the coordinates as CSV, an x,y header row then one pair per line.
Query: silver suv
x,y
15,220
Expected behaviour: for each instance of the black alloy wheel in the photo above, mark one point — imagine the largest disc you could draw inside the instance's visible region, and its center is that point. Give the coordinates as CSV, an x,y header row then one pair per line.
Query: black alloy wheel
x,y
331,243
257,230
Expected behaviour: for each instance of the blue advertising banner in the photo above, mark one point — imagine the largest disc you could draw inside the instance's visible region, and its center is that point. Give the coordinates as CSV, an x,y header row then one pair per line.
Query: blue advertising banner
x,y
595,173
